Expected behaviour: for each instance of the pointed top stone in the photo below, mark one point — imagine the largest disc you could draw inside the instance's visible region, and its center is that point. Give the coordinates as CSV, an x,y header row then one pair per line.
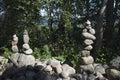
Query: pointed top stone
x,y
25,37
88,22
15,40
25,32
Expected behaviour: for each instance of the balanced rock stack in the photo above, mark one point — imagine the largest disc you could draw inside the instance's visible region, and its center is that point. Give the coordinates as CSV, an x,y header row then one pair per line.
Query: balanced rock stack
x,y
14,44
85,62
26,58
22,59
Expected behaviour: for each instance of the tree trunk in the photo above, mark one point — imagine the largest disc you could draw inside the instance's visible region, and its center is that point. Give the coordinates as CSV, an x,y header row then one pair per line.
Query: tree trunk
x,y
110,19
99,27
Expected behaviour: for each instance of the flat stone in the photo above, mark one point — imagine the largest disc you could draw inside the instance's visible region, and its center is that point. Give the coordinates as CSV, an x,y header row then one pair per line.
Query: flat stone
x,y
87,60
26,46
88,36
88,41
85,53
89,47
29,51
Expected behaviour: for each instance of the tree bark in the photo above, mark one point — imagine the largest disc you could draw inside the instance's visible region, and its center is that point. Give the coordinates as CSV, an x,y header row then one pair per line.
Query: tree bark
x,y
110,20
99,27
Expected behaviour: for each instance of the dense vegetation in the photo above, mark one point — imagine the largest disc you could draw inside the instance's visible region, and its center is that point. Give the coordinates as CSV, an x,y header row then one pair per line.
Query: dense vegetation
x,y
61,36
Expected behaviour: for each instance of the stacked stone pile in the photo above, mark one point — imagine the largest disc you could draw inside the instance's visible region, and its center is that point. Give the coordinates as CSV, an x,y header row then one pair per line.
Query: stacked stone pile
x,y
86,60
24,66
26,58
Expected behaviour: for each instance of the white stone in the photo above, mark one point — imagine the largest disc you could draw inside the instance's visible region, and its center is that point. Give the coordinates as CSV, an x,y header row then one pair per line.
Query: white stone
x,y
88,41
15,49
39,63
25,60
88,68
26,37
65,74
55,63
114,73
67,70
59,69
87,60
26,46
29,51
85,53
15,38
88,36
84,30
92,31
88,22
89,47
48,68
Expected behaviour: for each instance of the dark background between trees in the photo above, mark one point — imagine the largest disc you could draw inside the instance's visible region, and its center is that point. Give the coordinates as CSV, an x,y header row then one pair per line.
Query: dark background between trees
x,y
65,19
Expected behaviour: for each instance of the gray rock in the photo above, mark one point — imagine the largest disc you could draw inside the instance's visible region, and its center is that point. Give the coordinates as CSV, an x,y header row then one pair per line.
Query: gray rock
x,y
15,49
29,51
84,30
48,68
26,46
92,31
88,68
67,71
99,68
85,53
115,63
25,60
15,40
87,60
89,47
113,74
88,36
56,64
88,41
88,22
14,58
26,37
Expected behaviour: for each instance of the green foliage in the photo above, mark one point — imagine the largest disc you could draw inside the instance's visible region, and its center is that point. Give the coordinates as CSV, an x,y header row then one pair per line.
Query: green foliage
x,y
43,53
7,52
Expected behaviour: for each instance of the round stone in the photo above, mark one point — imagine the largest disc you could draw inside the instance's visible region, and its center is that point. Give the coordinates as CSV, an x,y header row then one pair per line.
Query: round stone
x,y
25,60
87,60
85,53
88,36
92,31
88,41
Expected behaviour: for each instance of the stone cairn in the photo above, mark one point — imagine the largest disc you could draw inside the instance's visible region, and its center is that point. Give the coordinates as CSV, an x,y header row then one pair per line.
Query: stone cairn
x,y
24,66
85,65
22,59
